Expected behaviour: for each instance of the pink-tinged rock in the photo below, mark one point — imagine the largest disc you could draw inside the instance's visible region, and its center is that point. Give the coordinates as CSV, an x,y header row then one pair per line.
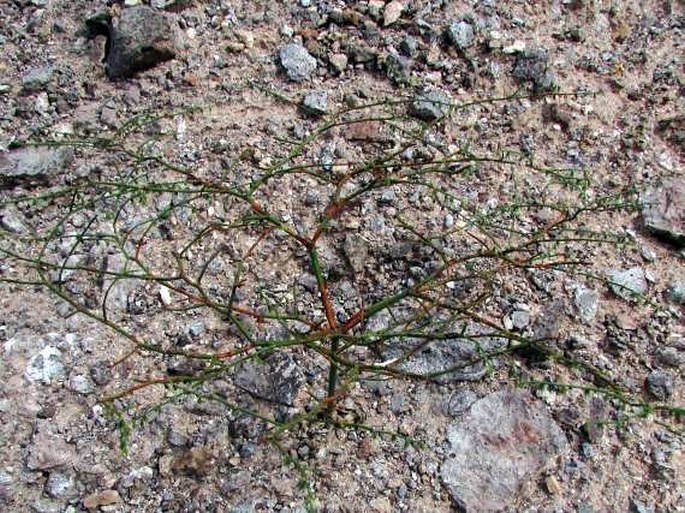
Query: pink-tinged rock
x,y
506,439
392,12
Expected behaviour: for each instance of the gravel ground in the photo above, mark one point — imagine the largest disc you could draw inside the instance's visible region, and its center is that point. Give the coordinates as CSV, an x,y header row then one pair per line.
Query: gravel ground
x,y
228,91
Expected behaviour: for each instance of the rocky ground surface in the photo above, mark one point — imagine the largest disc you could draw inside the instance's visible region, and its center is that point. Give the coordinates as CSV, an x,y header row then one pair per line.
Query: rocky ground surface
x,y
261,77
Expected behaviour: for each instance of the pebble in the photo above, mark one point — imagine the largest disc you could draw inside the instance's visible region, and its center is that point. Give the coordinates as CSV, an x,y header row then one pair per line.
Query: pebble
x,y
104,498
520,319
553,486
392,12
409,46
660,384
277,379
37,78
12,220
671,356
647,254
388,197
460,34
587,303
46,367
100,373
676,292
398,68
80,384
430,105
531,66
587,450
627,283
639,507
316,102
297,62
338,62
196,328
59,485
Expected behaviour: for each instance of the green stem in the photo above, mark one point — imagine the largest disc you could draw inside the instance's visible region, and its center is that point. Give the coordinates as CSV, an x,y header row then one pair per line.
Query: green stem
x,y
333,374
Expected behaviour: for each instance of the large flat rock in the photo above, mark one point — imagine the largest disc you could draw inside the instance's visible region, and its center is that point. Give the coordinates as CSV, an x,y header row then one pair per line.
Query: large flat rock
x,y
32,165
503,441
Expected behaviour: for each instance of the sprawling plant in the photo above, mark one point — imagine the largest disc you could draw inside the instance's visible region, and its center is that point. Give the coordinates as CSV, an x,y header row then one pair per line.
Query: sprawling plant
x,y
370,242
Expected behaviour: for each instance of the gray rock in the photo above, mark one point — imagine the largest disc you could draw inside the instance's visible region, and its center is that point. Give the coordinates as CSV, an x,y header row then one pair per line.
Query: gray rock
x,y
430,105
277,379
327,157
80,384
338,62
676,292
647,254
663,211
460,34
46,506
388,197
660,384
639,507
171,4
409,46
101,373
520,319
360,53
66,269
60,485
356,250
12,220
31,165
445,359
297,62
316,102
627,283
196,328
36,78
506,439
587,303
398,68
48,451
5,478
46,367
460,401
532,66
141,39
671,356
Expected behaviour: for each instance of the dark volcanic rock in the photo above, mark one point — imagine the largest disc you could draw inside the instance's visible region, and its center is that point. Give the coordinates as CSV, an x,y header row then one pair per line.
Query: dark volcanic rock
x,y
33,165
141,39
277,379
663,211
430,105
532,66
505,439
